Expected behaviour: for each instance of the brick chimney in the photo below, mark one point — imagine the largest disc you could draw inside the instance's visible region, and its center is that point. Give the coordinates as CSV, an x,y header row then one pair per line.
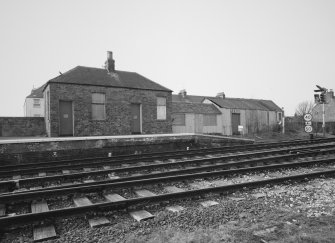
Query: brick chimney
x,y
110,63
221,95
183,93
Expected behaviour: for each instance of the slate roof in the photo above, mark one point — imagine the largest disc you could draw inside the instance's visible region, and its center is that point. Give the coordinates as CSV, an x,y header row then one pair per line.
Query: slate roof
x,y
188,98
37,93
245,104
100,77
197,108
230,103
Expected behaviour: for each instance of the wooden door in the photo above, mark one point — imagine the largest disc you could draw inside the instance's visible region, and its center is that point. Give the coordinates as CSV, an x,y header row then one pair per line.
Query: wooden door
x,y
135,118
65,118
235,122
198,123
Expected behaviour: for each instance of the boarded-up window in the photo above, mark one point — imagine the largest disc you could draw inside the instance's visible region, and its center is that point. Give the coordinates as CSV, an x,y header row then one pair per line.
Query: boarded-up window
x,y
178,119
161,108
98,106
209,120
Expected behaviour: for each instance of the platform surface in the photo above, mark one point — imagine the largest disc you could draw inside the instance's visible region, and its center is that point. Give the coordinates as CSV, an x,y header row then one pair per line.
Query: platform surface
x,y
59,139
5,140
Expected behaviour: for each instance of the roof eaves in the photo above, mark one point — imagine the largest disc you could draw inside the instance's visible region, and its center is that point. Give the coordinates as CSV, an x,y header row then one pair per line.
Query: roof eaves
x,y
216,103
109,86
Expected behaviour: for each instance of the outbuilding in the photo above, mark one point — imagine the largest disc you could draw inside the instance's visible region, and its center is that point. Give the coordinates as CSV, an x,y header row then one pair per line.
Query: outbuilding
x,y
223,115
88,101
190,115
243,116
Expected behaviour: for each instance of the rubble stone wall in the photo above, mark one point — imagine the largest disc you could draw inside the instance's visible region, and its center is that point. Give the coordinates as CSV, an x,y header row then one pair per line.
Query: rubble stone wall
x,y
22,126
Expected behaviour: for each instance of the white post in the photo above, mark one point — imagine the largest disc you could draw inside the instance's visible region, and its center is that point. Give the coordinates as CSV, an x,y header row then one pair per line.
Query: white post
x,y
283,120
323,120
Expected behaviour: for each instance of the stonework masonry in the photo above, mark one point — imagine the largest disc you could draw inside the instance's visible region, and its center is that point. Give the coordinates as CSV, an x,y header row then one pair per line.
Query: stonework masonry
x,y
22,126
118,113
45,149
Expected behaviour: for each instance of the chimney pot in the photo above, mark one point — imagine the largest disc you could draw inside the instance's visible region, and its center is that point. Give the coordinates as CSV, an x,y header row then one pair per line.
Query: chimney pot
x,y
221,95
109,55
183,93
110,63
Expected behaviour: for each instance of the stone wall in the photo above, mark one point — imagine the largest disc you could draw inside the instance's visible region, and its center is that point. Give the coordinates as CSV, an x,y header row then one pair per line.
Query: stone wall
x,y
44,149
118,112
22,126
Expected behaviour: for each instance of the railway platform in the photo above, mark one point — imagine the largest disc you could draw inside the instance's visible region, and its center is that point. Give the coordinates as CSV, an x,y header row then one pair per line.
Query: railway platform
x,y
21,150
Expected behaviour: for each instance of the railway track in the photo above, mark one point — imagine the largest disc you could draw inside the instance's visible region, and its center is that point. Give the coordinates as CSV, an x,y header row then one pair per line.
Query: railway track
x,y
185,170
123,203
152,169
73,163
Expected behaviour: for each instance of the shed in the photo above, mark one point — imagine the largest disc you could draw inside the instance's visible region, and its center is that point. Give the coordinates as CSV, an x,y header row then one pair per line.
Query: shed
x,y
252,115
195,118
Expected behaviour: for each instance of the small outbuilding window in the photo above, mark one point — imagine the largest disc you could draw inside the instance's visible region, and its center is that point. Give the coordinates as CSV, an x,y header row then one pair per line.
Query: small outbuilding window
x,y
209,119
178,119
98,106
161,108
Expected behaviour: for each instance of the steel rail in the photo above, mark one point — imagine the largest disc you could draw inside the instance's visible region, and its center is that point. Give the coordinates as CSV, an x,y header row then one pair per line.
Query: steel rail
x,y
12,183
24,218
99,163
148,179
177,153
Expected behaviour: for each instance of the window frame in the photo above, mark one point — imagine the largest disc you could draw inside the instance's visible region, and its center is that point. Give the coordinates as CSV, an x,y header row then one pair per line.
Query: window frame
x,y
98,104
36,103
161,108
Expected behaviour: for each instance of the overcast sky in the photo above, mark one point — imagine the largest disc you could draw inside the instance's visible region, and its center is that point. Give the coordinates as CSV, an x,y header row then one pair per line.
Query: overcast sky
x,y
267,49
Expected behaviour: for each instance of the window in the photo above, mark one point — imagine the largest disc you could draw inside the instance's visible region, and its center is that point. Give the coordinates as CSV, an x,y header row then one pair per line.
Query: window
x,y
36,103
98,106
178,119
161,108
209,120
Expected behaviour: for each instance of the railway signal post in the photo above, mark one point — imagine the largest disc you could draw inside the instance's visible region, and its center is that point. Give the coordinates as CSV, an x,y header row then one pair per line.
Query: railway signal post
x,y
321,99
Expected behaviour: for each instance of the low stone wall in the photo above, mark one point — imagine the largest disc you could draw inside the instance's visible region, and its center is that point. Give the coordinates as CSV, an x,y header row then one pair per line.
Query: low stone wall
x,y
22,126
83,147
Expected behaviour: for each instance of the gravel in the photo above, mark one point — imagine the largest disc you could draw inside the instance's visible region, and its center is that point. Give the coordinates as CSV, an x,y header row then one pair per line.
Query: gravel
x,y
250,214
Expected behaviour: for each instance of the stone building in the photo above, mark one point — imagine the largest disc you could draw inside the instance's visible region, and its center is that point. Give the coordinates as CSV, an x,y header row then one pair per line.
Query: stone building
x,y
87,101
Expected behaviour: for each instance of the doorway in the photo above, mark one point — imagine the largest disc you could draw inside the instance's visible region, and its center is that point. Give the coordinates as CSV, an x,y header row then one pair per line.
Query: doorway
x,y
235,122
136,119
65,118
